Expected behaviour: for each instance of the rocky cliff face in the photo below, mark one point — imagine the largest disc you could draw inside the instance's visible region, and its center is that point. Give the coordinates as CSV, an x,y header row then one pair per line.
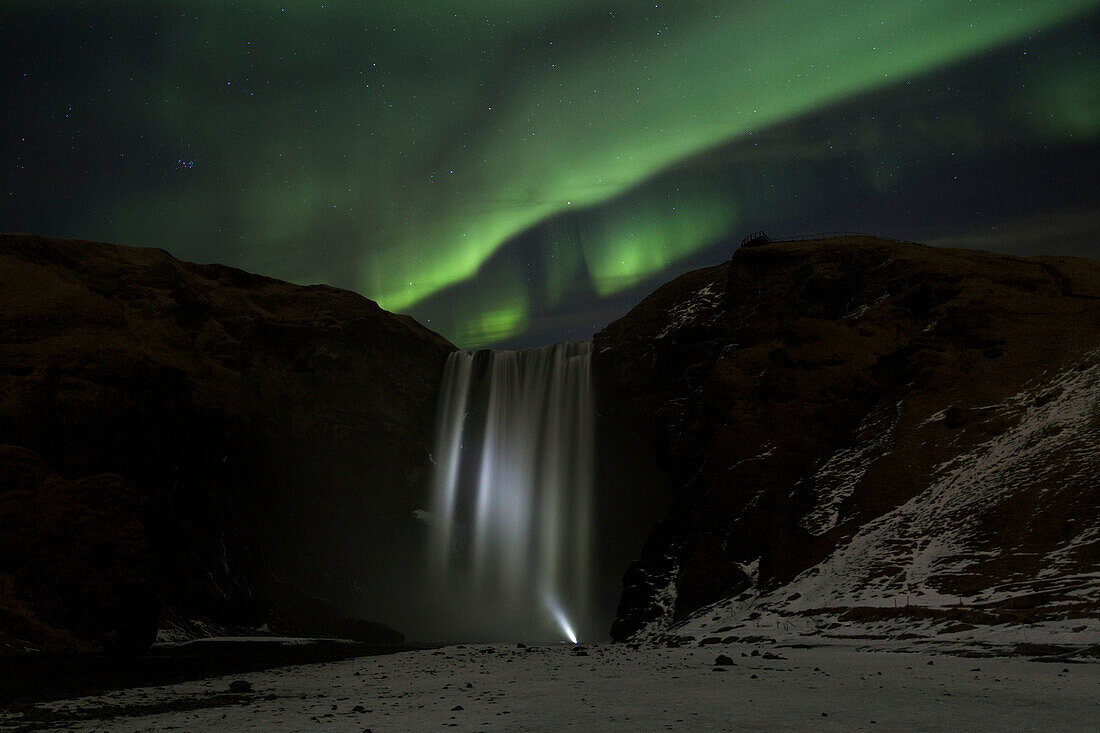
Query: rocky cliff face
x,y
272,440
854,425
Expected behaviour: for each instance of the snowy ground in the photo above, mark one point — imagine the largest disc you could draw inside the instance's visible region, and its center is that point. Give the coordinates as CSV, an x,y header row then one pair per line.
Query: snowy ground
x,y
612,687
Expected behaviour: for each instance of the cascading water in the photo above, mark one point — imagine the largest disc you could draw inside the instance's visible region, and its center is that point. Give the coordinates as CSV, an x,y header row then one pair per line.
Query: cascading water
x,y
511,512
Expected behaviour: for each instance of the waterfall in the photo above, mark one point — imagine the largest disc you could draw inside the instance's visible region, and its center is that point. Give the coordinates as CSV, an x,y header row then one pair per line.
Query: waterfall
x,y
511,514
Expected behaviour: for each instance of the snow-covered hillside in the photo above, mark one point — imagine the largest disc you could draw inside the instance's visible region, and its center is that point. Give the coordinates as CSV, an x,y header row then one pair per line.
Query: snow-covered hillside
x,y
898,439
891,579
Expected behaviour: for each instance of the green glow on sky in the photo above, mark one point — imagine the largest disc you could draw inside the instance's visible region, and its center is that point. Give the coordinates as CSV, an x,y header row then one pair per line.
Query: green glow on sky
x,y
625,244
1066,97
487,315
396,146
577,130
492,325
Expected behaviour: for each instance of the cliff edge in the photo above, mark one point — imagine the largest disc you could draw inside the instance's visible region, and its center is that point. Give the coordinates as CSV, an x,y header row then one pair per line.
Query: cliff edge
x,y
199,449
859,430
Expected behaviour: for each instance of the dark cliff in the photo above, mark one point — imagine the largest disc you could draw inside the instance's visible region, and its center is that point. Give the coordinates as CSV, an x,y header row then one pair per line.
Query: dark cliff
x,y
192,444
849,421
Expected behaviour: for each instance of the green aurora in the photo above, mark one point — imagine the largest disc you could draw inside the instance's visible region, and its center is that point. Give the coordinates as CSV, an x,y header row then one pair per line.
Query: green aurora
x,y
398,147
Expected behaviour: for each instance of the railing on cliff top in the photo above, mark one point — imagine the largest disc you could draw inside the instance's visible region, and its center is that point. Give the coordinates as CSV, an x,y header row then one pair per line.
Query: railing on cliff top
x,y
761,237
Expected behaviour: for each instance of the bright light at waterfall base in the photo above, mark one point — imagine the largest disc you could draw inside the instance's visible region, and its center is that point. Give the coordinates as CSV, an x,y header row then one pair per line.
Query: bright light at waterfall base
x,y
512,492
560,617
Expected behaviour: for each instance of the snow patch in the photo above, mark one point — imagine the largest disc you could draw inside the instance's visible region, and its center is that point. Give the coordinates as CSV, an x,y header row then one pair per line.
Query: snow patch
x,y
893,577
702,303
858,312
664,600
835,481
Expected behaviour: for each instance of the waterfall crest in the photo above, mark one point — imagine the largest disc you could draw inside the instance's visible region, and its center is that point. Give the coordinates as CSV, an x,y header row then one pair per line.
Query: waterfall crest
x,y
511,514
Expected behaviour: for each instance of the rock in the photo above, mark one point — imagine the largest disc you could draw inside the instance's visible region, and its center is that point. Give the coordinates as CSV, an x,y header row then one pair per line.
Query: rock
x,y
457,707
769,655
369,632
240,686
76,571
805,391
268,431
723,660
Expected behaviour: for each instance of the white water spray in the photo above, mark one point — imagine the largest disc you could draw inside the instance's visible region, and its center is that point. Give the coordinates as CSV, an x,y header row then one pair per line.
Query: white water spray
x,y
511,491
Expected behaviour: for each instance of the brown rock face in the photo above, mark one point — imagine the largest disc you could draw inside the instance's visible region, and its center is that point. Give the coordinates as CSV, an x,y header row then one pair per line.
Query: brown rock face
x,y
275,437
74,560
866,413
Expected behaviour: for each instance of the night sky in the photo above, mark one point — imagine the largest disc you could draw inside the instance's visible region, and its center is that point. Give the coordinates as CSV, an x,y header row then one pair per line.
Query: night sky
x,y
517,173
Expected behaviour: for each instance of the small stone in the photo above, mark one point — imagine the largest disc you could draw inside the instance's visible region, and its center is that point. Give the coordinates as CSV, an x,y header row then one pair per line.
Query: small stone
x,y
457,707
521,645
240,686
755,653
723,660
752,677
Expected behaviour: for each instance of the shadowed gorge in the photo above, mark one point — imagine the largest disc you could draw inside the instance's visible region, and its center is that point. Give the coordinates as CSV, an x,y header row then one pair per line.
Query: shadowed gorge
x,y
814,449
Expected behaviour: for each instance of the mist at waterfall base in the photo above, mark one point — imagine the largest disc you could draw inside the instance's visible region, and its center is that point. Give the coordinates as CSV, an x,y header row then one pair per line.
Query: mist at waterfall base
x,y
512,515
